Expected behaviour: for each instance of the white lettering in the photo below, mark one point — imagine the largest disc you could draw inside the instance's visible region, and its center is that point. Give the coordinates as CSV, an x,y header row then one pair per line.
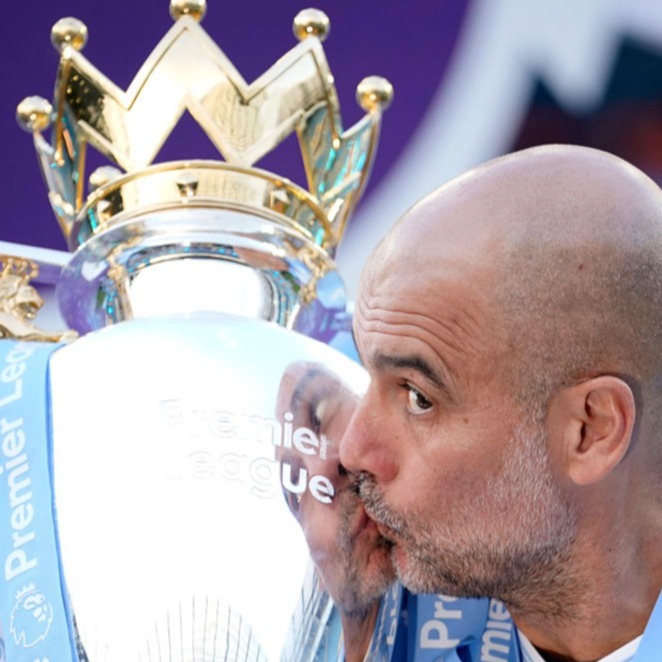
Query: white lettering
x,y
497,610
17,563
16,395
498,634
305,441
440,610
5,426
20,352
393,615
12,372
13,442
434,633
287,430
15,486
17,469
195,421
21,516
324,444
286,479
321,488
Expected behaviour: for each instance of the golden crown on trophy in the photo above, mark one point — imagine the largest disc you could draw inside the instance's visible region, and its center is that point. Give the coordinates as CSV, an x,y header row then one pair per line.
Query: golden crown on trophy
x,y
188,72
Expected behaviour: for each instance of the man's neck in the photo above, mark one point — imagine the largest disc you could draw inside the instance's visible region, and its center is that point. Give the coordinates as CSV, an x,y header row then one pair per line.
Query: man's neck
x,y
610,607
357,630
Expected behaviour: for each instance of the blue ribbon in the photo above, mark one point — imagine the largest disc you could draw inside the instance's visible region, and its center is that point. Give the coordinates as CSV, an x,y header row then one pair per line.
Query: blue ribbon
x,y
459,629
35,621
443,629
437,628
389,641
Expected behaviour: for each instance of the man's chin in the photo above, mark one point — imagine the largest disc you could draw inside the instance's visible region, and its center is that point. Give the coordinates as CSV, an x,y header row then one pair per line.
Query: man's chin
x,y
403,567
411,574
401,561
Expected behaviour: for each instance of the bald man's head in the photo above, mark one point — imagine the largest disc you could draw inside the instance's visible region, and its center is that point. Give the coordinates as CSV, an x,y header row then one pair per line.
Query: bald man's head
x,y
511,324
568,245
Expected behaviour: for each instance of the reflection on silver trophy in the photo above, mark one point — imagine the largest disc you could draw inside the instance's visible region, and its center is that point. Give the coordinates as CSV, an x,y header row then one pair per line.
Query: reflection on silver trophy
x,y
350,556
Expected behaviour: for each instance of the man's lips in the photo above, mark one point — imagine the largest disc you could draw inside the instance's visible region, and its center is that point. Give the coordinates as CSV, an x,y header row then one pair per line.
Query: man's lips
x,y
386,532
366,518
363,523
366,523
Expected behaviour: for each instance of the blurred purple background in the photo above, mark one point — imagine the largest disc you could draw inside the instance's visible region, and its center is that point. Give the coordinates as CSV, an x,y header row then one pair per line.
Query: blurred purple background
x,y
473,79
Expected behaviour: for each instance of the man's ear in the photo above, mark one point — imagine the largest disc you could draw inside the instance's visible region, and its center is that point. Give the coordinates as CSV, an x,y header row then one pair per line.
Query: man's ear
x,y
596,419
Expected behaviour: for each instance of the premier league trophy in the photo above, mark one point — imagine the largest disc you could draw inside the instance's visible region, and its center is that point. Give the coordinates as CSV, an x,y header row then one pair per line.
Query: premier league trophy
x,y
151,465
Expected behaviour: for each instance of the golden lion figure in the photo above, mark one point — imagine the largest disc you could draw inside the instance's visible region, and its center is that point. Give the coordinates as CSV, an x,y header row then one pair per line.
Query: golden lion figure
x,y
20,302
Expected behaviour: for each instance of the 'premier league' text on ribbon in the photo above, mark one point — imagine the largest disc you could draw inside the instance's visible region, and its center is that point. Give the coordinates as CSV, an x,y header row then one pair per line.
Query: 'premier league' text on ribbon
x,y
15,465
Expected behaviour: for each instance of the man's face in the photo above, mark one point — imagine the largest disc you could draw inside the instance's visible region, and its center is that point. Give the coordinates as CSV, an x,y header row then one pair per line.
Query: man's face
x,y
352,558
457,475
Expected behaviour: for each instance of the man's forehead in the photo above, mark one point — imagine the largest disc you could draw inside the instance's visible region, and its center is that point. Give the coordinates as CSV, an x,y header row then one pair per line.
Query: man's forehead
x,y
440,240
430,273
445,315
442,325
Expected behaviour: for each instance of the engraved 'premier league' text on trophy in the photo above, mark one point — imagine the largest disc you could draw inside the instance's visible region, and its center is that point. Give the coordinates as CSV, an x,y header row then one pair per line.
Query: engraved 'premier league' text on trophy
x,y
172,456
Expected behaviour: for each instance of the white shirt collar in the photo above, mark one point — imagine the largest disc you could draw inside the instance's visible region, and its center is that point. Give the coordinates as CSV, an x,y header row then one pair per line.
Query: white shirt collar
x,y
623,654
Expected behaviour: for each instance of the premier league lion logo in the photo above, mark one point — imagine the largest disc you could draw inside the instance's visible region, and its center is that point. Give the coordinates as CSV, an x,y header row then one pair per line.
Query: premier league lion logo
x,y
31,617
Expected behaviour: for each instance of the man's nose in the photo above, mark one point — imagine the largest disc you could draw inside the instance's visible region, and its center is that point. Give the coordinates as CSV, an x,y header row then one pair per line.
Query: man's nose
x,y
365,445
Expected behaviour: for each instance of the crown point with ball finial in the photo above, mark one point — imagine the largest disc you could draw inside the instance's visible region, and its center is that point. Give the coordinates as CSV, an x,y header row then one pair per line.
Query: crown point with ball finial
x,y
69,32
311,23
196,9
374,93
34,114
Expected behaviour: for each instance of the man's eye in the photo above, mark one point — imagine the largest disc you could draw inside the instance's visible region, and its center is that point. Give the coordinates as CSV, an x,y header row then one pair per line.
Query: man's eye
x,y
418,403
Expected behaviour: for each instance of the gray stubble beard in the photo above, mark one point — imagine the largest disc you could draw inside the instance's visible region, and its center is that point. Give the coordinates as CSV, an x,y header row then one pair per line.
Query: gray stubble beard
x,y
526,566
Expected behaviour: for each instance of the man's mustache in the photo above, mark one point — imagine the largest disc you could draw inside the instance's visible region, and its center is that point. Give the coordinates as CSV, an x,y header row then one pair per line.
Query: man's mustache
x,y
364,486
355,481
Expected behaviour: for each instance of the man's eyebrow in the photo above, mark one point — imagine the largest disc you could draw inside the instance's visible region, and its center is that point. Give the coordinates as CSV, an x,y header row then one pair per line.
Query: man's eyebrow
x,y
411,361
